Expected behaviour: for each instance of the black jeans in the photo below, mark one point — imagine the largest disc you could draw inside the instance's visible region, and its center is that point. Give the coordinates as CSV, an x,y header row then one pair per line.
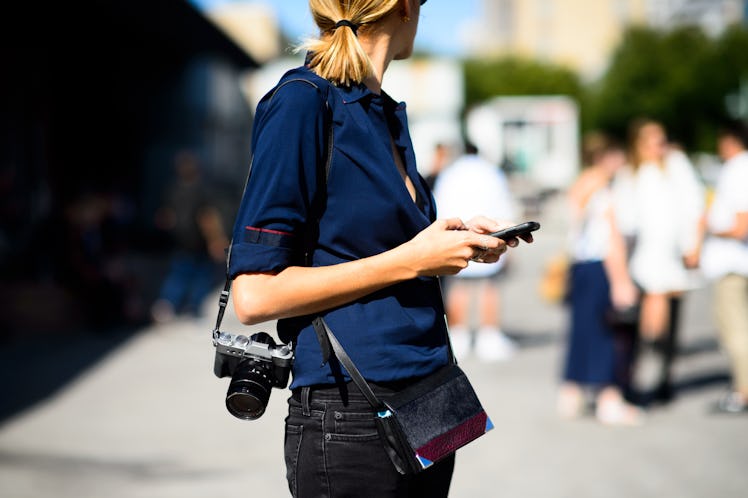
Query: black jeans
x,y
332,450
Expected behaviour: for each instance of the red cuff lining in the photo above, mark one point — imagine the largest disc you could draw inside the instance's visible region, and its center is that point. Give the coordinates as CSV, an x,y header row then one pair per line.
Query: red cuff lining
x,y
267,230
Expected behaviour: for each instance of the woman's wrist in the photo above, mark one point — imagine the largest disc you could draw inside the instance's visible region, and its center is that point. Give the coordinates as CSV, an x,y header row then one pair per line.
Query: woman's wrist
x,y
401,263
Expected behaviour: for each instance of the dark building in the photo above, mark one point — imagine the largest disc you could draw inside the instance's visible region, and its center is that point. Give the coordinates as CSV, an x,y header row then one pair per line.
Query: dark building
x,y
96,99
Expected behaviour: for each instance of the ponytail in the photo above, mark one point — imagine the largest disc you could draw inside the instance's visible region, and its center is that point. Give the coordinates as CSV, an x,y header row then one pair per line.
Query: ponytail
x,y
337,54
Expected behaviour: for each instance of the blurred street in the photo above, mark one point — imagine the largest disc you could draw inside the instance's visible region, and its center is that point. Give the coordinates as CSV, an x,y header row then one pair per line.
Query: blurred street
x,y
148,420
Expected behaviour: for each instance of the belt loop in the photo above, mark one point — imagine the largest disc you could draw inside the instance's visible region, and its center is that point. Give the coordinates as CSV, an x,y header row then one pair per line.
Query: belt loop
x,y
306,407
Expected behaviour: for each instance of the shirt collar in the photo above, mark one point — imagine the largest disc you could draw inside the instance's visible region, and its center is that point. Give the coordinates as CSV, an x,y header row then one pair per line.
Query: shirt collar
x,y
358,92
355,93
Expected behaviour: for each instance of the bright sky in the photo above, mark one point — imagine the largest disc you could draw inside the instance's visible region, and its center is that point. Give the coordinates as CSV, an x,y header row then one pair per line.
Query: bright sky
x,y
441,28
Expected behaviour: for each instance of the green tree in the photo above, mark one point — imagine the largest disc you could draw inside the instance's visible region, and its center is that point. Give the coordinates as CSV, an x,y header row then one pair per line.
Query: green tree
x,y
486,78
732,59
680,78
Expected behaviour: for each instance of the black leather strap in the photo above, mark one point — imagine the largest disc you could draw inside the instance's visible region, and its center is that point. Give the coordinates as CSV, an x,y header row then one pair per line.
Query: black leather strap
x,y
328,341
320,326
223,300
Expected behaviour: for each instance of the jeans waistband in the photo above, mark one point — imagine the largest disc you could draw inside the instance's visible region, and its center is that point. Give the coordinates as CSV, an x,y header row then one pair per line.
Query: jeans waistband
x,y
345,393
335,392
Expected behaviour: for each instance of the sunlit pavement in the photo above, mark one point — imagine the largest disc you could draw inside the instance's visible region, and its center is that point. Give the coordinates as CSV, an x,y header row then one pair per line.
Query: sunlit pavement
x,y
148,420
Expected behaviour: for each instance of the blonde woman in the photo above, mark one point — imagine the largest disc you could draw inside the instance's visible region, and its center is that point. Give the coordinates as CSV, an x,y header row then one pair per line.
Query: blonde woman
x,y
374,249
660,205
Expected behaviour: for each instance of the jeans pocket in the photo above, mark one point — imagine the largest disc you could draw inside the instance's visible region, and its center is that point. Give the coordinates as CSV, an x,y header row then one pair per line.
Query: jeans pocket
x,y
353,426
354,454
292,447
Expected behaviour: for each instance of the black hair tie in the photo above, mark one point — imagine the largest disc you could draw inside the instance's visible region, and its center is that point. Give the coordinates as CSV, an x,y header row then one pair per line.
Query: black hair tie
x,y
346,22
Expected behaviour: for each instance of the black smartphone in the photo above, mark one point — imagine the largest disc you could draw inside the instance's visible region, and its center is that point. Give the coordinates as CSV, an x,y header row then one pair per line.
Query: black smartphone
x,y
516,230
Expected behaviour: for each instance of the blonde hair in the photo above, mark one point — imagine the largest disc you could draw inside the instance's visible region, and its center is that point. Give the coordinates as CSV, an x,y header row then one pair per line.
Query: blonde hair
x,y
636,131
337,54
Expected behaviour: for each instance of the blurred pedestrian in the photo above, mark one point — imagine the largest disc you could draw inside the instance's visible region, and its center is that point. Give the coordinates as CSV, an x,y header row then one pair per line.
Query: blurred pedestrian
x,y
725,259
660,203
191,217
599,281
469,186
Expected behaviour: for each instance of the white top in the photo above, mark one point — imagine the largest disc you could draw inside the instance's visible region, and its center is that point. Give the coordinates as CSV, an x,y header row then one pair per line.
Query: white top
x,y
721,255
590,232
661,208
469,187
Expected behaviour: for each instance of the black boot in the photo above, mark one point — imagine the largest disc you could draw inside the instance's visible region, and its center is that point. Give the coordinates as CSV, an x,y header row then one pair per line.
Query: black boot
x,y
668,347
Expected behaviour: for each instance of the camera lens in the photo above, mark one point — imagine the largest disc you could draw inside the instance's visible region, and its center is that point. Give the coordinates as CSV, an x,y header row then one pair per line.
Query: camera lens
x,y
249,390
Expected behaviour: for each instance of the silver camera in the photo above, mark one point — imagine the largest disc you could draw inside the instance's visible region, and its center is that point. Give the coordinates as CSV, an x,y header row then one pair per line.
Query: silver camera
x,y
255,364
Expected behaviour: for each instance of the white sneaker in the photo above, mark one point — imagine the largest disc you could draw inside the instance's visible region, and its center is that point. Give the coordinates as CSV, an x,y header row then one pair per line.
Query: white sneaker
x,y
494,345
461,342
619,413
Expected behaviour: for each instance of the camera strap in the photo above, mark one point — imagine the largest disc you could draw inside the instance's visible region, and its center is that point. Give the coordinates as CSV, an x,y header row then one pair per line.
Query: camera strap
x,y
309,240
223,301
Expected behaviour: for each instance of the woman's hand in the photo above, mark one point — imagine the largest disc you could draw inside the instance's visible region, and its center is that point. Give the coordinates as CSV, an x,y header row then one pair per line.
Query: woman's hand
x,y
483,225
691,259
623,294
446,246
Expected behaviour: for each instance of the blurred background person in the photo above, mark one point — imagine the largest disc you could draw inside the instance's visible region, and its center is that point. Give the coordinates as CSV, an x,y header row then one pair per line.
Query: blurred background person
x,y
660,203
468,186
191,216
599,280
725,259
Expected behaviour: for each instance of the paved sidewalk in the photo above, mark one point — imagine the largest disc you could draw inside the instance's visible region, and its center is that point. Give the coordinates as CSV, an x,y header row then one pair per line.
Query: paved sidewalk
x,y
147,420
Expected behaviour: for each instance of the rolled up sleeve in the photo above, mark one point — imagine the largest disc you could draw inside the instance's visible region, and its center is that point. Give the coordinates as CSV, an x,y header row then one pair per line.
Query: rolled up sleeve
x,y
288,145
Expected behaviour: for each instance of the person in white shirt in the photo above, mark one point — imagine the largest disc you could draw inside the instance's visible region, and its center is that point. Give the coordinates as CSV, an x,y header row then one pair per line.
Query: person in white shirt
x,y
725,259
660,205
472,184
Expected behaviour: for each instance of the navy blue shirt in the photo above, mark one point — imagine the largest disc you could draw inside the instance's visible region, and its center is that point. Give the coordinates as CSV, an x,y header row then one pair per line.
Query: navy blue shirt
x,y
362,208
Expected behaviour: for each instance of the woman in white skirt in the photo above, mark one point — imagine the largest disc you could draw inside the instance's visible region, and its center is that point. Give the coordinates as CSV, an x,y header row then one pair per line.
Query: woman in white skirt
x,y
660,206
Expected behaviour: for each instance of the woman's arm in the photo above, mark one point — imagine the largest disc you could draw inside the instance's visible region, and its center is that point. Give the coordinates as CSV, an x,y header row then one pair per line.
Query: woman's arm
x,y
444,248
739,229
623,292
